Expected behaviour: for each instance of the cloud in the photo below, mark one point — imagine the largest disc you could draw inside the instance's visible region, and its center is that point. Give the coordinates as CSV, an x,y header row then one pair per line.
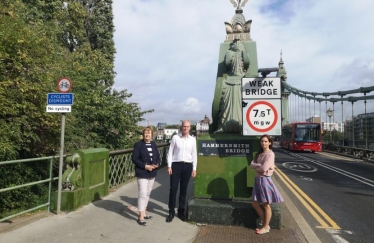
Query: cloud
x,y
173,111
360,71
167,51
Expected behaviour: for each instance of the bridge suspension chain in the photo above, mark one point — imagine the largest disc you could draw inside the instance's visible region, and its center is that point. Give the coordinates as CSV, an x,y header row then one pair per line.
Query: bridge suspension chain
x,y
297,101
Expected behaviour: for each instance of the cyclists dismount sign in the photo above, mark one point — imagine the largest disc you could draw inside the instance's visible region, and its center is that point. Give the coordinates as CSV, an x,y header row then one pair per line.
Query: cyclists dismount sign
x,y
64,85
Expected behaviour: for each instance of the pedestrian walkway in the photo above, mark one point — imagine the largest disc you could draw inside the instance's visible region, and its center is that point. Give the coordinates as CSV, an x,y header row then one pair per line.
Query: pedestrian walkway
x,y
113,220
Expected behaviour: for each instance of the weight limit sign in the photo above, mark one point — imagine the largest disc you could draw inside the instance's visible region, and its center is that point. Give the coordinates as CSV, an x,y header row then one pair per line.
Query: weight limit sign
x,y
261,117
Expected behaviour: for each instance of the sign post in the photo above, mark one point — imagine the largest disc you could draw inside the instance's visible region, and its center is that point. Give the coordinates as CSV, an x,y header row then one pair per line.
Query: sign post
x,y
61,103
261,102
60,163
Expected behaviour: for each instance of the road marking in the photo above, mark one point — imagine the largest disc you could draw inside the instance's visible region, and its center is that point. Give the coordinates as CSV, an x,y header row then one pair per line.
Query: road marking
x,y
308,202
337,170
300,167
335,234
335,156
306,229
338,157
339,239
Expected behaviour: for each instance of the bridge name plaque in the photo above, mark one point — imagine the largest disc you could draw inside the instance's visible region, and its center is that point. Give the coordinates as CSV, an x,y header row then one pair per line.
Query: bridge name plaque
x,y
225,148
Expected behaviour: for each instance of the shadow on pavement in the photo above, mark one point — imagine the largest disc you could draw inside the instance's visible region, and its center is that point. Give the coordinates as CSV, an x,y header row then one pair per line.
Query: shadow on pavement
x,y
126,204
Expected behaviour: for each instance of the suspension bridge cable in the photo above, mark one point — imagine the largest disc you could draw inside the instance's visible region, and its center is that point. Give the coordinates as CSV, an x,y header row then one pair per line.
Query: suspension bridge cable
x,y
311,95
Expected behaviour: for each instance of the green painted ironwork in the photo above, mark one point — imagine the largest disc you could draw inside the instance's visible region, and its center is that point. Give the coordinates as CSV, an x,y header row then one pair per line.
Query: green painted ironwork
x,y
357,130
122,169
312,95
51,159
86,178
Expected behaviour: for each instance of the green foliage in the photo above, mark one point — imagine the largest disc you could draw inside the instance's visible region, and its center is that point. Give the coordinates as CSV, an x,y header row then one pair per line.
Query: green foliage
x,y
335,136
174,126
26,64
193,129
40,42
23,198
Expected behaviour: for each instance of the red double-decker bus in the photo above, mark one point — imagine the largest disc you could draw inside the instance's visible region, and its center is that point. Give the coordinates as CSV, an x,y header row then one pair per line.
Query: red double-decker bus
x,y
301,136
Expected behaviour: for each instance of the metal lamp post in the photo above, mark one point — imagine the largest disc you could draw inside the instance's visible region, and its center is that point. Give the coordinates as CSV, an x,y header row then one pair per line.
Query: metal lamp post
x,y
329,113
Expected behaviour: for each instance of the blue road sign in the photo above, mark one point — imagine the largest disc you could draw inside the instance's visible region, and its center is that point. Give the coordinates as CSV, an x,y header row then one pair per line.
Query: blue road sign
x,y
60,98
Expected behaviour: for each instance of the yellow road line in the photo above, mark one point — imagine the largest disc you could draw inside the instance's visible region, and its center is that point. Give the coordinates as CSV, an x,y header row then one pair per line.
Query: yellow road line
x,y
301,195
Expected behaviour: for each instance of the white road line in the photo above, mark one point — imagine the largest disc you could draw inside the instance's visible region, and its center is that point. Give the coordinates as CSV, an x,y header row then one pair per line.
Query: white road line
x,y
339,239
339,157
335,235
337,170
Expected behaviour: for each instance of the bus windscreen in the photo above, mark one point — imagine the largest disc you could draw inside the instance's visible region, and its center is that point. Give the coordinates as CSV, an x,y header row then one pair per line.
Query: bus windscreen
x,y
307,133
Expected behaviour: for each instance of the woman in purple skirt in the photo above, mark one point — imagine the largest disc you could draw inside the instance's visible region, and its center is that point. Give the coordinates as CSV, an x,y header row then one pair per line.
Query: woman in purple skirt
x,y
264,191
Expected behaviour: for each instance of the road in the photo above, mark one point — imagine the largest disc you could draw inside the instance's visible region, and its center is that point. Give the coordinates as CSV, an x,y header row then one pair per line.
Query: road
x,y
335,194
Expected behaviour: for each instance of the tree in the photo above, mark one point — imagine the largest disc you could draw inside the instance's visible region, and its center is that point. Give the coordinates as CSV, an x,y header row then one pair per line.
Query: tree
x,y
90,22
42,41
80,36
102,114
25,65
174,126
193,129
27,68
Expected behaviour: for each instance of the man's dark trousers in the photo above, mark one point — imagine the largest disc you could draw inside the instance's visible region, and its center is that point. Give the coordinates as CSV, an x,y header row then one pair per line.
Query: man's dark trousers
x,y
181,173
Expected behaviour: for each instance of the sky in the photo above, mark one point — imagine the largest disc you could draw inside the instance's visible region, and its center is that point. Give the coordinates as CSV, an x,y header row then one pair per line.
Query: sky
x,y
167,50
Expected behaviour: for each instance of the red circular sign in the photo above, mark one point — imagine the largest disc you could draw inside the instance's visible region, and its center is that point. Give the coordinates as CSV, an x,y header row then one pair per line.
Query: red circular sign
x,y
64,85
271,125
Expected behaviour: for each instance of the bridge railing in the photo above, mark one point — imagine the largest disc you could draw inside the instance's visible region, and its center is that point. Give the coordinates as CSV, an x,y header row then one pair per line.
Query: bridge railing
x,y
46,199
121,167
361,153
121,171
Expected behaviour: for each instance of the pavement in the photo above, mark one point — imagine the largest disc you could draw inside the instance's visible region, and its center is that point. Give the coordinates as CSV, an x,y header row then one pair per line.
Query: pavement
x,y
113,219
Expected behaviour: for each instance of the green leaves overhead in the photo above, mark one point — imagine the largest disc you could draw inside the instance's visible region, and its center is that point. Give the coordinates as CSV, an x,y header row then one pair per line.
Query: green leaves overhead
x,y
42,41
25,65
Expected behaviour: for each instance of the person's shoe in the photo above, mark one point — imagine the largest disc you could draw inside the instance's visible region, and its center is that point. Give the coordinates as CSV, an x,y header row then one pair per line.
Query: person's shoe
x,y
262,231
170,217
257,229
148,217
181,216
142,222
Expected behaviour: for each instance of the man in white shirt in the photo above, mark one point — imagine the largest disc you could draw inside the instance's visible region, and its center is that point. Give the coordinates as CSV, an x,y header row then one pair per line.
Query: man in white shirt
x,y
182,162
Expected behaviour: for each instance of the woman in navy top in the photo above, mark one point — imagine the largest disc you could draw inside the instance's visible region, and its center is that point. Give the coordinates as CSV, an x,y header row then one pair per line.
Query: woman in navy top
x,y
146,158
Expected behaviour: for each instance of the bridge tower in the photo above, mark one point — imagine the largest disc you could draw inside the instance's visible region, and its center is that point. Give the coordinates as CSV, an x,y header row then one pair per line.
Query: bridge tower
x,y
224,182
282,73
